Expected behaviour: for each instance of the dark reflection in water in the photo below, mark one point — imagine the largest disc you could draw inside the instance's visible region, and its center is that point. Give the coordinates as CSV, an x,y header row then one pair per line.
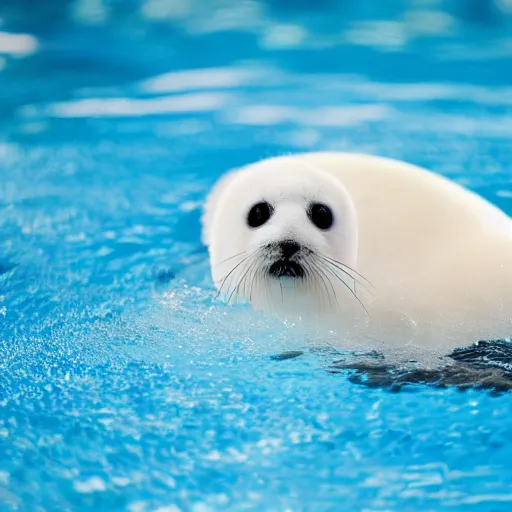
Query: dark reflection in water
x,y
484,365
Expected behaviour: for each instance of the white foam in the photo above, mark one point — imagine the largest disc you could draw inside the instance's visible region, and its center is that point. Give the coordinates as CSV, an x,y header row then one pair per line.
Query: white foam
x,y
92,12
18,45
497,126
93,484
124,107
350,115
169,508
283,36
417,91
209,78
243,15
166,9
381,34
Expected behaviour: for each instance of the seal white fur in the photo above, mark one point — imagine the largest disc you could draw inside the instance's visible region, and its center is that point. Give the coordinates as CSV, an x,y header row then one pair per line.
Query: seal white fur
x,y
438,257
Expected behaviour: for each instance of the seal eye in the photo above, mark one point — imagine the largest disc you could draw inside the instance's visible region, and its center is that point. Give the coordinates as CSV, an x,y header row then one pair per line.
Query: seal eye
x,y
259,214
321,216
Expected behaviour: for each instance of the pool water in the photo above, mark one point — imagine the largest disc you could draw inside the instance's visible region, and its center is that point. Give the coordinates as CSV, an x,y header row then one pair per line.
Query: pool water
x,y
124,385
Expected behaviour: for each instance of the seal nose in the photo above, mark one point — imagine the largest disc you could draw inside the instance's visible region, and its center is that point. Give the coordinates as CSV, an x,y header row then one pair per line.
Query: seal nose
x,y
289,248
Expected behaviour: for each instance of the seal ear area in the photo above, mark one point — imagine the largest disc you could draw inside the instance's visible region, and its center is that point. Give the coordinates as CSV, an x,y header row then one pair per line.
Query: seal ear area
x,y
211,203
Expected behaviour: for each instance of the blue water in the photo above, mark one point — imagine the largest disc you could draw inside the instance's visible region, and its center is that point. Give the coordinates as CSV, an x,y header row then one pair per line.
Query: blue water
x,y
123,384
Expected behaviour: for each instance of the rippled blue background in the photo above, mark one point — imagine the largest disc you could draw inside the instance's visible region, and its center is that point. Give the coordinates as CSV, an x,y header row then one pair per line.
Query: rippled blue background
x,y
123,386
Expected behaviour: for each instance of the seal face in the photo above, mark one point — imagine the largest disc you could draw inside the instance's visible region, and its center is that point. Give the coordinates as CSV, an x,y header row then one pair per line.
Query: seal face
x,y
285,238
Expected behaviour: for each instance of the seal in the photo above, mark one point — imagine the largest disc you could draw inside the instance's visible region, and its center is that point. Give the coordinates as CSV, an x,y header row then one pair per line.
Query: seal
x,y
370,247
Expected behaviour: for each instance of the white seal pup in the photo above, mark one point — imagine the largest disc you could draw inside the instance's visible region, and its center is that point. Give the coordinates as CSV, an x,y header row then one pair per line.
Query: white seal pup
x,y
373,248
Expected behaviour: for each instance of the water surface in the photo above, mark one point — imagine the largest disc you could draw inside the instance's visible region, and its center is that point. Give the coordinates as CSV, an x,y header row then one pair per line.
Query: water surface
x,y
124,385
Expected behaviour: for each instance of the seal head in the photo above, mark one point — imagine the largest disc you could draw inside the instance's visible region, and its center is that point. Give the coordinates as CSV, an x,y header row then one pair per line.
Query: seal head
x,y
282,235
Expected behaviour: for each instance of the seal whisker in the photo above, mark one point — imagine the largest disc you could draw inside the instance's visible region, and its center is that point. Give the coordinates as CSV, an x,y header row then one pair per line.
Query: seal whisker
x,y
252,283
224,279
230,258
345,272
325,278
343,268
348,288
247,279
234,292
367,285
314,271
321,280
346,268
